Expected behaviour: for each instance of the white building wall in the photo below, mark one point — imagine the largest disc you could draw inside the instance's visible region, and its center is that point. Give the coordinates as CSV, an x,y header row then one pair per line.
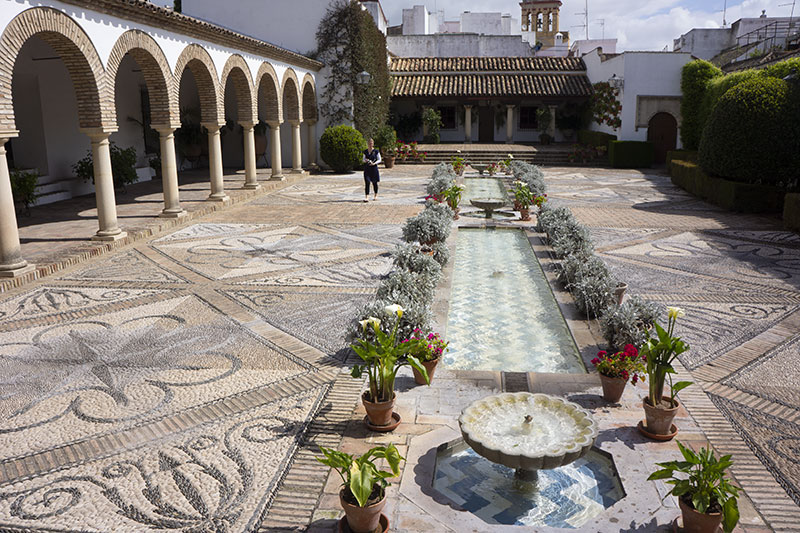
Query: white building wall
x,y
458,45
482,23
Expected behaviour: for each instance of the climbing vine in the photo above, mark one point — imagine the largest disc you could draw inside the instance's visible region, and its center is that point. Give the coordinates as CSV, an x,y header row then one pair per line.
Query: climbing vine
x,y
349,42
605,106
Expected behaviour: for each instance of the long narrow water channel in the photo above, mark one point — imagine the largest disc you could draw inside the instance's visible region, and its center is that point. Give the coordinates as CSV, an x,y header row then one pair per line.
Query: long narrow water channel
x,y
503,315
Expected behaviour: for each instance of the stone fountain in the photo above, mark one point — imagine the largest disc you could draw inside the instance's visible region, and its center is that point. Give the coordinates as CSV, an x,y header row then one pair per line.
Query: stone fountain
x,y
528,432
489,205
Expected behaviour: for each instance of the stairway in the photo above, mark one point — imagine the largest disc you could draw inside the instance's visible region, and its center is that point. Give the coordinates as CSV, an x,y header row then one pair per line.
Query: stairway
x,y
484,154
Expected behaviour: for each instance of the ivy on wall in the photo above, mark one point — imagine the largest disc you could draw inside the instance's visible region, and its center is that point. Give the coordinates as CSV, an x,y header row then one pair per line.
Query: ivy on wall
x,y
605,106
349,42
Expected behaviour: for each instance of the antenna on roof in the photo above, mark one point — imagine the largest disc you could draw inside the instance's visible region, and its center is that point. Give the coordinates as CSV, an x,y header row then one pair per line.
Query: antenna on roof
x,y
724,12
585,24
602,23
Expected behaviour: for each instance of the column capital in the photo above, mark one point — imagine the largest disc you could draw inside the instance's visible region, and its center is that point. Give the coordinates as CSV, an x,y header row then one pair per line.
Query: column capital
x,y
310,121
295,123
165,129
98,134
510,106
212,126
5,135
468,106
247,124
274,124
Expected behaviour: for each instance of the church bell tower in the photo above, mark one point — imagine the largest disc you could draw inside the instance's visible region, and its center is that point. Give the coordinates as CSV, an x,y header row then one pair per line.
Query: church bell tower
x,y
541,16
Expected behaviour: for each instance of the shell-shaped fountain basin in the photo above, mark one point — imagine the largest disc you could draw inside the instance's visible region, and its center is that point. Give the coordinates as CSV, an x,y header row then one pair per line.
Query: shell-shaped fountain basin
x,y
488,203
528,431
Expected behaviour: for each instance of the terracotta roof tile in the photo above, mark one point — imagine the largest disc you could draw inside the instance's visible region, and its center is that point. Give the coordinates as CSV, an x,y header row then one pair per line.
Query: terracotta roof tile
x,y
486,85
486,64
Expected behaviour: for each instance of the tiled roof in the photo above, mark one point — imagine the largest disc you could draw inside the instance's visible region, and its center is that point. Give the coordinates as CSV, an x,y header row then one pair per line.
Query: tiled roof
x,y
487,64
486,85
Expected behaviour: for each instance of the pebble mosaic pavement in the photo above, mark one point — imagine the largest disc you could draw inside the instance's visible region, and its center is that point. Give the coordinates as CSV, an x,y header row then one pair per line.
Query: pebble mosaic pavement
x,y
183,382
738,278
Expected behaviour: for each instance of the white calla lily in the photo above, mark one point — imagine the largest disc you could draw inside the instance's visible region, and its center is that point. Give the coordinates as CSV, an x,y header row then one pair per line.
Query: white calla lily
x,y
675,312
394,309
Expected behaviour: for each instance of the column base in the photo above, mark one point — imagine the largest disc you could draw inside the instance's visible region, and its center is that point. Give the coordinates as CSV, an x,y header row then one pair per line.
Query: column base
x,y
299,171
170,213
110,238
510,141
251,186
217,197
280,177
17,272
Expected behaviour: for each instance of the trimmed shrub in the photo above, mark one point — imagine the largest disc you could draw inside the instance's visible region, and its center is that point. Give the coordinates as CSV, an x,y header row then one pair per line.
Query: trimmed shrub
x,y
441,253
695,77
410,257
753,134
341,147
443,168
572,238
574,268
385,139
680,155
631,154
440,183
595,138
123,166
407,288
592,294
414,316
23,188
629,323
716,88
431,225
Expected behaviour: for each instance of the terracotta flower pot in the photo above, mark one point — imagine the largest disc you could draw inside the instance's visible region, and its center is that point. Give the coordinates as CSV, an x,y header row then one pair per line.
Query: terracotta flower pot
x,y
430,367
612,388
362,519
379,413
524,213
659,419
619,292
695,522
388,161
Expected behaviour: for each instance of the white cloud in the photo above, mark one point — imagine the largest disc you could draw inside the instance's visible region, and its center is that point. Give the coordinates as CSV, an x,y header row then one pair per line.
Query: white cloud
x,y
637,24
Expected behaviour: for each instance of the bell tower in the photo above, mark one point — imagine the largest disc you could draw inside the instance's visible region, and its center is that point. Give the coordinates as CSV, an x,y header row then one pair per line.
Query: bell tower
x,y
541,16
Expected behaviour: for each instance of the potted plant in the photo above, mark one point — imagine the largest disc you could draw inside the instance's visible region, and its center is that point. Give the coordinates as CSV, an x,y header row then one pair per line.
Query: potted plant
x,y
428,227
385,141
23,188
428,349
123,166
659,353
506,164
524,198
459,164
705,496
616,369
453,197
383,356
363,492
492,168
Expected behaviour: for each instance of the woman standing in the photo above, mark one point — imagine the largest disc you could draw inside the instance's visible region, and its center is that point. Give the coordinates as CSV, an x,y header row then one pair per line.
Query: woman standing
x,y
371,159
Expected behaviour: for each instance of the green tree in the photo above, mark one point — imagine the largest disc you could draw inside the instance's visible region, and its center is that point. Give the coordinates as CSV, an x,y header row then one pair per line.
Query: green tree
x,y
695,77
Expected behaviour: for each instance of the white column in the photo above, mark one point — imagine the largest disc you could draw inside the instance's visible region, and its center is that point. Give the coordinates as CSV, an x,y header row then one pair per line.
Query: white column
x,y
312,143
215,163
468,124
275,147
250,177
552,129
297,148
11,262
169,172
509,124
104,186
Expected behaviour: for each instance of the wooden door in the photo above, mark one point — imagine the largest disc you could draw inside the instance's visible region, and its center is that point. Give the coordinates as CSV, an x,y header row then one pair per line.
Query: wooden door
x,y
662,131
486,124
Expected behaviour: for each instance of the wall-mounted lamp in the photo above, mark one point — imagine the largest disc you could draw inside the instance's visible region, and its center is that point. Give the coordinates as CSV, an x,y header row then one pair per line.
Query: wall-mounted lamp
x,y
616,82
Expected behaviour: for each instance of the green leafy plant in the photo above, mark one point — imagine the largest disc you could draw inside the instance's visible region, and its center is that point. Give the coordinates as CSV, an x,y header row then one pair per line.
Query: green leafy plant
x,y
453,196
383,356
361,478
705,487
695,76
459,164
543,118
660,353
341,147
386,140
432,119
23,188
123,166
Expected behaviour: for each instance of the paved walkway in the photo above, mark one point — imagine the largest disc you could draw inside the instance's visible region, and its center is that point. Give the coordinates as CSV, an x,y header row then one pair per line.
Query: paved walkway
x,y
184,382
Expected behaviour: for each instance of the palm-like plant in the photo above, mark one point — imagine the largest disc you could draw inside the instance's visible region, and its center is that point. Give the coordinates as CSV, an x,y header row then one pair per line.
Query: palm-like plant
x,y
660,353
360,475
705,486
383,356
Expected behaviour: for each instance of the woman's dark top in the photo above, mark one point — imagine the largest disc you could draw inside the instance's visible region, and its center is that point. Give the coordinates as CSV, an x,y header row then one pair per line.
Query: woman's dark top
x,y
371,171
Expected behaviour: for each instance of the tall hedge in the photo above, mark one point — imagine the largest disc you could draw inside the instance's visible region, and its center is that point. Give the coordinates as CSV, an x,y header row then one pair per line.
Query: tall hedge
x,y
694,80
753,133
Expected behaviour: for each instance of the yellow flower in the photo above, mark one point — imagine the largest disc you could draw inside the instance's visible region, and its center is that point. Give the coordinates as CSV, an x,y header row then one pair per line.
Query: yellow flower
x,y
674,312
394,309
370,322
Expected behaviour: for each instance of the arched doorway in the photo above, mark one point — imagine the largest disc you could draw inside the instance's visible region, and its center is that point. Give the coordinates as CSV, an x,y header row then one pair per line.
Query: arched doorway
x,y
662,131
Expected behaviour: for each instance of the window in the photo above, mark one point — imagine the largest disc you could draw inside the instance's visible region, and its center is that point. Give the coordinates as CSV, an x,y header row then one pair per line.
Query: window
x,y
448,117
527,118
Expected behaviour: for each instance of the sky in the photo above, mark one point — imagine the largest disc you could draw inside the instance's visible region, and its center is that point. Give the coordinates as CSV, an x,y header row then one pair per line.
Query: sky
x,y
636,24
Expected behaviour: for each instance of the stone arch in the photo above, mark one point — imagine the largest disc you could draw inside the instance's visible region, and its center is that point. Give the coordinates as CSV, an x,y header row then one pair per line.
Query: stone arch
x,y
236,68
290,96
198,61
309,98
75,49
161,87
268,94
